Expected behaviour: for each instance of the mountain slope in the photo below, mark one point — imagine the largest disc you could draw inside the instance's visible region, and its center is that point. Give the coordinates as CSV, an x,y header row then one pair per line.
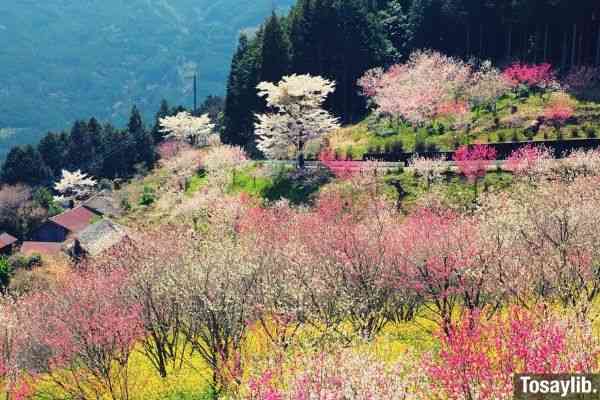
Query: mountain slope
x,y
62,59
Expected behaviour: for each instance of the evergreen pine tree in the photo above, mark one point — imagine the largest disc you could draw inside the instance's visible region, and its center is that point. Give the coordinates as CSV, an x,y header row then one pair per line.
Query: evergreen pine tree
x,y
275,51
242,101
24,164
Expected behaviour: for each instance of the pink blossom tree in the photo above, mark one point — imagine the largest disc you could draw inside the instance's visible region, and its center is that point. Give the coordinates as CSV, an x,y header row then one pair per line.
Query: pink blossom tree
x,y
479,358
90,330
530,161
473,162
437,257
414,91
539,76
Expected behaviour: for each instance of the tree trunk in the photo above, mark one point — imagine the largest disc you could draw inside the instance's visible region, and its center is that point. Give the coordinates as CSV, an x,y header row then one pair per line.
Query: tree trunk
x,y
574,48
598,48
509,46
564,55
546,43
481,40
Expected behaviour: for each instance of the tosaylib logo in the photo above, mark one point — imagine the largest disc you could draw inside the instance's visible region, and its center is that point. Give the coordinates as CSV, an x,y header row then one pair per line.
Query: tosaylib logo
x,y
556,386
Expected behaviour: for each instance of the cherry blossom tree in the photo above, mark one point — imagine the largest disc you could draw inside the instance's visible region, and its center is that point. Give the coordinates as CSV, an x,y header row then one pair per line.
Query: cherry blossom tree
x,y
74,186
298,115
186,127
90,330
221,162
430,169
533,162
414,91
487,86
538,76
559,110
437,257
474,161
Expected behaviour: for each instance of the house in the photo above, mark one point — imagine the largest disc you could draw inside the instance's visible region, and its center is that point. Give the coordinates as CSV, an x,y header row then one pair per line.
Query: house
x,y
60,227
104,204
97,238
41,248
7,244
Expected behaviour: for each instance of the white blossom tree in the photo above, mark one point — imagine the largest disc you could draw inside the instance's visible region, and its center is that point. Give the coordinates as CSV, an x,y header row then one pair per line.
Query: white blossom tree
x,y
74,186
298,115
185,127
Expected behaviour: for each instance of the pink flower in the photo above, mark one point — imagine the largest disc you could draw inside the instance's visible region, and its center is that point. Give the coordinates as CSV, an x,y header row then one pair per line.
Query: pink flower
x,y
474,161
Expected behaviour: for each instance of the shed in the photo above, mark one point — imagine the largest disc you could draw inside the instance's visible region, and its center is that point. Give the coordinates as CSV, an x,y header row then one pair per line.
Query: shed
x,y
104,204
7,243
97,238
41,248
59,227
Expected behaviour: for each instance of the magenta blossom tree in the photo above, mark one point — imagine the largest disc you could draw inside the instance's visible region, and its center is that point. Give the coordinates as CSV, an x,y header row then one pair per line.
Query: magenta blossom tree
x,y
474,161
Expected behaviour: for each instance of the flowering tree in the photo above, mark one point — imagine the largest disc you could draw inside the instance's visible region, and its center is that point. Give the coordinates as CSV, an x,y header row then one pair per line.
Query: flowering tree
x,y
559,110
221,162
487,86
90,330
74,185
530,161
436,256
186,127
414,91
473,162
298,117
479,358
430,169
338,375
581,80
540,76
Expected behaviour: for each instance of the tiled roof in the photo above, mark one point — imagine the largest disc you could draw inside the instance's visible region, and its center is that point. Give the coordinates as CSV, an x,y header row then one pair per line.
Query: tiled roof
x,y
104,204
42,248
7,240
74,220
101,236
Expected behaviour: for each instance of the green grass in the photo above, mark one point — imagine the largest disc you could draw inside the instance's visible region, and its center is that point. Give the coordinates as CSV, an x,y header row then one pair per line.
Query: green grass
x,y
195,183
383,135
257,181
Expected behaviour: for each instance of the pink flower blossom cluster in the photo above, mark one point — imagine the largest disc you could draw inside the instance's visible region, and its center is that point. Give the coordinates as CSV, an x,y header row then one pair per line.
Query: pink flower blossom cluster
x,y
532,76
474,161
529,161
479,357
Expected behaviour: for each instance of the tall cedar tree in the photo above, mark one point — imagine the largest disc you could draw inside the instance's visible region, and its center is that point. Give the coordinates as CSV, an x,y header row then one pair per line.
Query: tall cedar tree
x,y
242,96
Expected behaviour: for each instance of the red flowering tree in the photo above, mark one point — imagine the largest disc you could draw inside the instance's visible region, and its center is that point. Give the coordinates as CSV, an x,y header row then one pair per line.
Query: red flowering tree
x,y
479,357
474,161
559,110
538,76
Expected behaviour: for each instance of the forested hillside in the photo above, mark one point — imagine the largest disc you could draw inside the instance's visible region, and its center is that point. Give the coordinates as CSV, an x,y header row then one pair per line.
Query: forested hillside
x,y
65,60
340,40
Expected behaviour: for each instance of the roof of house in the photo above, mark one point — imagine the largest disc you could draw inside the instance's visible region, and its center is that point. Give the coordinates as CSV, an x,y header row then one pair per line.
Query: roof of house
x,y
74,220
42,248
104,204
7,240
100,236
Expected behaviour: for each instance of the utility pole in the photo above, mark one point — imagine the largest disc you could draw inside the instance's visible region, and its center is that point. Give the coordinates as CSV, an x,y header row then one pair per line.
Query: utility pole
x,y
195,93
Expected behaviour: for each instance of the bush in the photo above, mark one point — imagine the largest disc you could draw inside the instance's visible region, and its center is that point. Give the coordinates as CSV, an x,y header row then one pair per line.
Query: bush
x,y
575,133
6,273
501,137
590,132
148,196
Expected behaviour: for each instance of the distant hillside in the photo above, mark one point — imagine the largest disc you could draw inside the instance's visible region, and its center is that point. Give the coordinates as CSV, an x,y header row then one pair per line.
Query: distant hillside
x,y
62,60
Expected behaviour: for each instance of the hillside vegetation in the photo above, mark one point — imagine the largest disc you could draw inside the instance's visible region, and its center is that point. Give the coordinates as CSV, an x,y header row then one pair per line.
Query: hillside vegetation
x,y
63,61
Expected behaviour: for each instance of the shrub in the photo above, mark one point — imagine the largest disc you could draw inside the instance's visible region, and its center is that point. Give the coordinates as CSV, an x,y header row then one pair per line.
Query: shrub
x,y
148,196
